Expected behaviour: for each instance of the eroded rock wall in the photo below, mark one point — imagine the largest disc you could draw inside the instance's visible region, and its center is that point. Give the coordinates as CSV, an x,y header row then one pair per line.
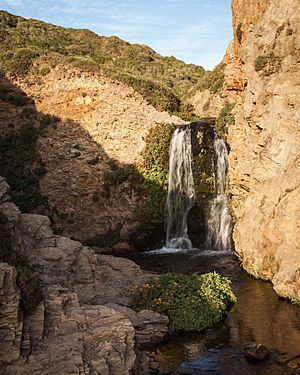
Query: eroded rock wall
x,y
72,331
265,140
98,124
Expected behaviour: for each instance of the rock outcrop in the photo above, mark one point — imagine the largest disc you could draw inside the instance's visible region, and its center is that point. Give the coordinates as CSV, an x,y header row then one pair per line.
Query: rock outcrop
x,y
71,331
265,140
98,124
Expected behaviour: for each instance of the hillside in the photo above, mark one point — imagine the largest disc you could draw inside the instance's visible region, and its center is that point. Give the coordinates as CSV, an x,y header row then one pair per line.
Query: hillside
x,y
35,47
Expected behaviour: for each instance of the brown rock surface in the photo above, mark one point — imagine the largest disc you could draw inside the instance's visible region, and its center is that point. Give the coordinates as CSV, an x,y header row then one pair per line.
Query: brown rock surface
x,y
97,121
265,142
71,331
11,322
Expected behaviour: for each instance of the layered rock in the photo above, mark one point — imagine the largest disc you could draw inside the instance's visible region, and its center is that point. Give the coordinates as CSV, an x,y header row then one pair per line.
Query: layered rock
x,y
265,141
71,331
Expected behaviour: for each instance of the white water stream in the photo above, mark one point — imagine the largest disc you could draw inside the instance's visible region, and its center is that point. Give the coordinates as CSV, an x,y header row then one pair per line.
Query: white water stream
x,y
181,192
219,224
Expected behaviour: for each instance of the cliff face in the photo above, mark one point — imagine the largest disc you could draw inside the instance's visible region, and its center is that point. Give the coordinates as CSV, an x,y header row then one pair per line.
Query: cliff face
x,y
264,69
94,130
77,328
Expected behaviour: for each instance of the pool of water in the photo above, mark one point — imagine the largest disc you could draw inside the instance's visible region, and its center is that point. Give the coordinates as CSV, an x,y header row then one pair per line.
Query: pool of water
x,y
259,315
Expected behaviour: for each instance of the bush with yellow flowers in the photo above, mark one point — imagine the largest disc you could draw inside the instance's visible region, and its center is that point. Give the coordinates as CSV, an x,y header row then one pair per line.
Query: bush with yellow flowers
x,y
192,302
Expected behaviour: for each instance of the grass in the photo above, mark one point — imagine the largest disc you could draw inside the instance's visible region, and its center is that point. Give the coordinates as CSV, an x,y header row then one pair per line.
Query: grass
x,y
162,81
192,302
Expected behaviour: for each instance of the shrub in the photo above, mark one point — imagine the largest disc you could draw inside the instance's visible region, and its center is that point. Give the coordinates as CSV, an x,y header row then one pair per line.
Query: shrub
x,y
268,64
212,81
44,71
118,174
18,152
224,119
17,99
45,121
21,61
192,302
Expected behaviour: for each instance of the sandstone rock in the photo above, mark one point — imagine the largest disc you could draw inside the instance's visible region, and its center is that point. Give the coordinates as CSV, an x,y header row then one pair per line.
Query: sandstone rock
x,y
265,141
70,332
10,320
108,125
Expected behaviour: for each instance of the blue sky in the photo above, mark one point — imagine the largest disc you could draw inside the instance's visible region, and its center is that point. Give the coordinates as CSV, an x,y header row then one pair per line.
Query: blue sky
x,y
195,31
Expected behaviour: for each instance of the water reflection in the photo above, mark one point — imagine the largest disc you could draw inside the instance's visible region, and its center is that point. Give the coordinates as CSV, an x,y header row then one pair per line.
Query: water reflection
x,y
260,315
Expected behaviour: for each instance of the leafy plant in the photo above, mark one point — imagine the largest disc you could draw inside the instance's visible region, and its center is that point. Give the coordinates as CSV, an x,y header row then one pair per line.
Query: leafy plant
x,y
192,302
224,119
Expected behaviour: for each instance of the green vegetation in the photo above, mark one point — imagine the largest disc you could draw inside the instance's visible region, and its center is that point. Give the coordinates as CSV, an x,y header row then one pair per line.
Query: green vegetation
x,y
31,294
119,174
267,64
212,81
192,302
224,119
162,81
239,33
17,153
155,173
203,159
295,302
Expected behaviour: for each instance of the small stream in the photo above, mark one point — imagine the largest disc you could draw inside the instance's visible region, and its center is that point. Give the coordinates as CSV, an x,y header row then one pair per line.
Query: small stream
x,y
259,315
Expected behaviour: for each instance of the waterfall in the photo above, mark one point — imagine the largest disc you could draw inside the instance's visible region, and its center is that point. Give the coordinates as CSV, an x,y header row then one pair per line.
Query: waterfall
x,y
219,224
181,192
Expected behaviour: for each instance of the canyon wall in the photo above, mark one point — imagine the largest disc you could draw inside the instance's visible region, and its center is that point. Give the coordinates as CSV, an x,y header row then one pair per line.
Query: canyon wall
x,y
264,71
93,131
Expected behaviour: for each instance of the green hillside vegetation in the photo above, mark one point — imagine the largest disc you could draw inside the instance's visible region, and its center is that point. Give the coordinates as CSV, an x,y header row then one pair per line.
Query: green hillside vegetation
x,y
35,47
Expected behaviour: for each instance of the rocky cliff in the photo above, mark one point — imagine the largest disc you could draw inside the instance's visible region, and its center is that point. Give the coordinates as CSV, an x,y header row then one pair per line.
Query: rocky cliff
x,y
265,140
73,330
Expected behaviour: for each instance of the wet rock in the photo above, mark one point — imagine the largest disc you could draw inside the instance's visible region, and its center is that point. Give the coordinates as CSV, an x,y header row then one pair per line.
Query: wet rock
x,y
256,352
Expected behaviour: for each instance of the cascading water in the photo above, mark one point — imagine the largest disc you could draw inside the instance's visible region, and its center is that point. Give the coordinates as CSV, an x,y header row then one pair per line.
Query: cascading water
x,y
219,224
181,192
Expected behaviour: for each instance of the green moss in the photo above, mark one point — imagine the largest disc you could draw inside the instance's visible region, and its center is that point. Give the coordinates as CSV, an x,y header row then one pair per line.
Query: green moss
x,y
224,119
192,302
